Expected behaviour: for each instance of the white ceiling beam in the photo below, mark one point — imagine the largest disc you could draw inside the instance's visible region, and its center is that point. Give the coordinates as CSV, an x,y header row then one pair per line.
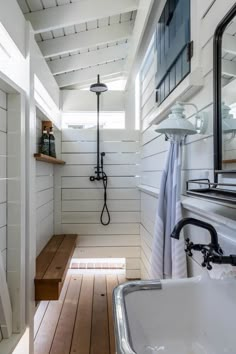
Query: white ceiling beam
x,y
229,67
84,60
229,44
110,78
143,13
87,39
89,74
78,12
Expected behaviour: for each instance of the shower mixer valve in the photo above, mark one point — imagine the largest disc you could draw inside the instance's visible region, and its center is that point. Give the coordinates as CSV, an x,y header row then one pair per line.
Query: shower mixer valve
x,y
100,175
99,171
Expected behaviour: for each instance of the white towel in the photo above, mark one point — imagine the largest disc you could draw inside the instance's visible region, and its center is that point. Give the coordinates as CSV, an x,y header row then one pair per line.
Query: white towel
x,y
168,255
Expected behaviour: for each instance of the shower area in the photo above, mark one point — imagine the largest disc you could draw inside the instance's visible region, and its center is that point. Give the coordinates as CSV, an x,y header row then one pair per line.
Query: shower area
x,y
98,179
96,197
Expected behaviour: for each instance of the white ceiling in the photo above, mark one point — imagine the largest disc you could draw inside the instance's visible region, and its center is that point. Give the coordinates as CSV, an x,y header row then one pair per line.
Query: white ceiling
x,y
79,39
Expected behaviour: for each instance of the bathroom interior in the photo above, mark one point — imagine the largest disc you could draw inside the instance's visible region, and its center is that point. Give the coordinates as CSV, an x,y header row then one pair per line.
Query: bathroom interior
x,y
117,176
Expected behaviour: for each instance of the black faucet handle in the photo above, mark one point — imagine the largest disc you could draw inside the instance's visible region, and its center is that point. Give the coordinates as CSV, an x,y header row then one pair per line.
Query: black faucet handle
x,y
207,259
188,248
207,265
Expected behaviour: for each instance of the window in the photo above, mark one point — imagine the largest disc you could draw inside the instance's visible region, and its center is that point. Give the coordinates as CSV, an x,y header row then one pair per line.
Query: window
x,y
88,120
173,47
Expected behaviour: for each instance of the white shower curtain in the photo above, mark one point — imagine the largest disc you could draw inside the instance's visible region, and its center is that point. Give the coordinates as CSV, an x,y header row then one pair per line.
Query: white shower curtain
x,y
168,255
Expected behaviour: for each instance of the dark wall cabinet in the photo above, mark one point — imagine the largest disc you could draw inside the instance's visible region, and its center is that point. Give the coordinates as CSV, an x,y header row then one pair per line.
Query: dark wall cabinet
x,y
173,46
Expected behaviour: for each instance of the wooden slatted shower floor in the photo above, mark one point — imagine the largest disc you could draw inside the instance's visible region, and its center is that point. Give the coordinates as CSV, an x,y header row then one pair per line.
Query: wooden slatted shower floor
x,y
80,322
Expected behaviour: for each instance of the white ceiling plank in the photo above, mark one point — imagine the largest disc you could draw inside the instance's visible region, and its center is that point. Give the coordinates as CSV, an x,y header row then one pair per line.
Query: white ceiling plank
x,y
64,55
126,16
229,43
80,27
47,35
55,58
58,33
103,22
63,2
35,5
114,19
229,68
49,3
78,12
24,7
85,75
92,25
86,39
38,37
69,30
142,16
80,61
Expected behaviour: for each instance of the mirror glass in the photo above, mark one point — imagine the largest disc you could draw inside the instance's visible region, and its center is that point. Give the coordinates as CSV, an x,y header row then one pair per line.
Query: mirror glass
x,y
228,96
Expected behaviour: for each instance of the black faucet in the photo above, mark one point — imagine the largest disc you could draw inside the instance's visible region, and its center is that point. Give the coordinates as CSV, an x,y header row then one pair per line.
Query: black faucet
x,y
186,221
212,253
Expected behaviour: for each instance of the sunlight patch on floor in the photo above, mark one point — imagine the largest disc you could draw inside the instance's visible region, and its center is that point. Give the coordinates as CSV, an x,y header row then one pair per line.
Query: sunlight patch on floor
x,y
98,266
23,345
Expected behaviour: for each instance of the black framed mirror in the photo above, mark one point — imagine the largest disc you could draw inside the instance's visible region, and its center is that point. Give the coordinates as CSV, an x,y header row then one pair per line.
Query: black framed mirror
x,y
224,78
224,54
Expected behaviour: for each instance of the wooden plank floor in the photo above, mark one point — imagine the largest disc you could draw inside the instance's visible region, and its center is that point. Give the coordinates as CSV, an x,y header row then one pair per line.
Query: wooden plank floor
x,y
81,321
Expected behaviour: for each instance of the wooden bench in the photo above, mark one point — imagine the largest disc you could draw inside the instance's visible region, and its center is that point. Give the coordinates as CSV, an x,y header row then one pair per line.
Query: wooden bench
x,y
52,265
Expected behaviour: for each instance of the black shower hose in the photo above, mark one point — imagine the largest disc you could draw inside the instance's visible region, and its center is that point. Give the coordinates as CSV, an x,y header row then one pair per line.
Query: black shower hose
x,y
105,207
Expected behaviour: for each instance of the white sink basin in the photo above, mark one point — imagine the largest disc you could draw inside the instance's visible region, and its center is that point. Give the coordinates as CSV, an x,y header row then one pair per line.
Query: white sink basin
x,y
190,316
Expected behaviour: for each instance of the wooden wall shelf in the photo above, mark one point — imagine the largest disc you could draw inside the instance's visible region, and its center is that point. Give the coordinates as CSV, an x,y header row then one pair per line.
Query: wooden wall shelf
x,y
229,161
48,159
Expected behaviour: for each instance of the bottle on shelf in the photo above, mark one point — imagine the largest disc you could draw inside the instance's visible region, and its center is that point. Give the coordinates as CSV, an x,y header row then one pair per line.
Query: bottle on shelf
x,y
52,147
44,142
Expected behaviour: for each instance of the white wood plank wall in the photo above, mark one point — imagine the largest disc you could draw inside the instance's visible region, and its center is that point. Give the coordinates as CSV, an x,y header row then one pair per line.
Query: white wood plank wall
x,y
198,150
44,197
3,175
3,179
79,205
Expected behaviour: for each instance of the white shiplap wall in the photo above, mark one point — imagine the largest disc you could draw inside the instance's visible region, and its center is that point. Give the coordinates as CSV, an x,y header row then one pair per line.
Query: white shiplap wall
x,y
3,175
198,150
44,198
3,178
79,205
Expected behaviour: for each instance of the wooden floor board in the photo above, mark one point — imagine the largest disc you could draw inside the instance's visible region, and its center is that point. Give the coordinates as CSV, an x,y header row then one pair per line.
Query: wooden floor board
x,y
64,332
40,312
100,332
81,321
112,282
44,338
121,278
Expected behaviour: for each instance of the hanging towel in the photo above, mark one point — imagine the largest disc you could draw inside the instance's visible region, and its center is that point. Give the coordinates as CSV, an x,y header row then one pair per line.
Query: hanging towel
x,y
5,304
168,255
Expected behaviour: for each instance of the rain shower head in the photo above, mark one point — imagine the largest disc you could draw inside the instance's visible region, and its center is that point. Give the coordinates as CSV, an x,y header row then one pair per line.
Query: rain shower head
x,y
98,87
